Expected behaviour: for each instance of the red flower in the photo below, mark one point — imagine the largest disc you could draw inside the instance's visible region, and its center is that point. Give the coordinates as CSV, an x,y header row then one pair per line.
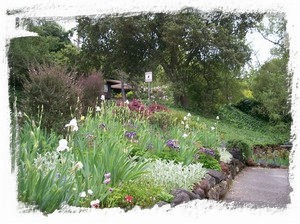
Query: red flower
x,y
128,198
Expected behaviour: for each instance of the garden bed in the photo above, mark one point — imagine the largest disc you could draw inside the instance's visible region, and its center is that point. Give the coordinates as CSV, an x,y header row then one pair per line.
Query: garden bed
x,y
125,155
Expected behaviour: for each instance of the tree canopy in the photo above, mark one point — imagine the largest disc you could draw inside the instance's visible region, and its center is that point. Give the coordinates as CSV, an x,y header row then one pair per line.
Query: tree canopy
x,y
192,47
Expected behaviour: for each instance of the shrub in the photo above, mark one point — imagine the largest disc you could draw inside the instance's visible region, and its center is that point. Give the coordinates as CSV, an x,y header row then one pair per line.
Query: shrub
x,y
141,192
241,146
253,108
161,119
139,107
173,175
130,95
52,88
91,89
209,162
214,153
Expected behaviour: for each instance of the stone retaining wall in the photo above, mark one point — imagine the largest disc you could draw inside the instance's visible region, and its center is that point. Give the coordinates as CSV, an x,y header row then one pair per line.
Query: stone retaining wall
x,y
213,186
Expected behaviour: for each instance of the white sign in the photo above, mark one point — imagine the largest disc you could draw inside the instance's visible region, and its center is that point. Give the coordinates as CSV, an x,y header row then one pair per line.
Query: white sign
x,y
148,76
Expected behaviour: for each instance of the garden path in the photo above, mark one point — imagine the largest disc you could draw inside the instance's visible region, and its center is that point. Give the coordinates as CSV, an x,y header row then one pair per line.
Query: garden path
x,y
260,187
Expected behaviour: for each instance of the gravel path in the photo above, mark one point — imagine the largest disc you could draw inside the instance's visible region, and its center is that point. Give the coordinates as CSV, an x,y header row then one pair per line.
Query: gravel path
x,y
260,187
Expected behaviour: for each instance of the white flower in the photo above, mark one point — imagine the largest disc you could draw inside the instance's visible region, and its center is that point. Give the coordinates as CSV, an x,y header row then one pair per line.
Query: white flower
x,y
90,192
82,194
98,109
95,203
187,126
78,166
127,102
73,125
185,118
182,122
102,97
185,135
217,118
62,145
188,115
212,128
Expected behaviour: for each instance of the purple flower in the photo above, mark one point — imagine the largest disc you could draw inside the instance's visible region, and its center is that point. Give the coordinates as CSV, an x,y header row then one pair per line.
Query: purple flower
x,y
111,189
172,143
130,134
207,151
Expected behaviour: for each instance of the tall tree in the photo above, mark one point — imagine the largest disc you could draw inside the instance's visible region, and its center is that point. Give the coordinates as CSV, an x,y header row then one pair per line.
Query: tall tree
x,y
24,52
272,81
191,46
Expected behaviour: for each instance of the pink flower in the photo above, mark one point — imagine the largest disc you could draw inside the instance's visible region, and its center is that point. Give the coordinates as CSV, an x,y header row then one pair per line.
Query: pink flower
x,y
106,181
128,198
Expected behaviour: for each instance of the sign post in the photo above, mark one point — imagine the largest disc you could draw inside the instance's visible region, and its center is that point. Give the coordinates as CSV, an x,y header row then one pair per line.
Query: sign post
x,y
148,78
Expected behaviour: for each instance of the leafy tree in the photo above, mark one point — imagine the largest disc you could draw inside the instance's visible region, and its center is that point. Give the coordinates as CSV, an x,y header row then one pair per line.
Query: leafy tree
x,y
271,87
192,47
51,46
271,82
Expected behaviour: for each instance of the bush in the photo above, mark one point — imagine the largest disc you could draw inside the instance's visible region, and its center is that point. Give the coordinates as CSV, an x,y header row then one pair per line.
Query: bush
x,y
52,88
141,192
238,145
173,175
253,108
161,119
209,162
91,89
130,95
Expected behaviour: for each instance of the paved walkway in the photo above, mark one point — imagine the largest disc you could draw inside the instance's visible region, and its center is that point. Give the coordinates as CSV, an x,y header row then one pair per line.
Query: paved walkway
x,y
260,187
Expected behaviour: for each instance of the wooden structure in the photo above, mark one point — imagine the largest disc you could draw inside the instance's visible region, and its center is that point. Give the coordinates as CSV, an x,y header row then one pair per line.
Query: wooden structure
x,y
114,86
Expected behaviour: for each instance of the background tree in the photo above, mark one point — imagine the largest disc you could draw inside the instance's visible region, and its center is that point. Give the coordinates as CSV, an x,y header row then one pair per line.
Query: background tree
x,y
191,46
271,82
51,46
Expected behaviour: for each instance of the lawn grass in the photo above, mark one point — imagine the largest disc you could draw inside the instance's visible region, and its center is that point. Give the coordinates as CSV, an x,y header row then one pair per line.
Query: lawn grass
x,y
233,124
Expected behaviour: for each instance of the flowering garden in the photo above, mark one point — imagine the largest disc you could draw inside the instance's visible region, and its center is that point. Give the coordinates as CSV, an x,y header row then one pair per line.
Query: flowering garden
x,y
118,155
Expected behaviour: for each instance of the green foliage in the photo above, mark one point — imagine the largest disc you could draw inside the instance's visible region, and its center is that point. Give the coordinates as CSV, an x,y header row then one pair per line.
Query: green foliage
x,y
173,175
46,188
130,95
209,162
52,88
189,48
49,177
242,146
144,192
249,129
271,87
271,155
254,108
46,28
161,119
101,146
